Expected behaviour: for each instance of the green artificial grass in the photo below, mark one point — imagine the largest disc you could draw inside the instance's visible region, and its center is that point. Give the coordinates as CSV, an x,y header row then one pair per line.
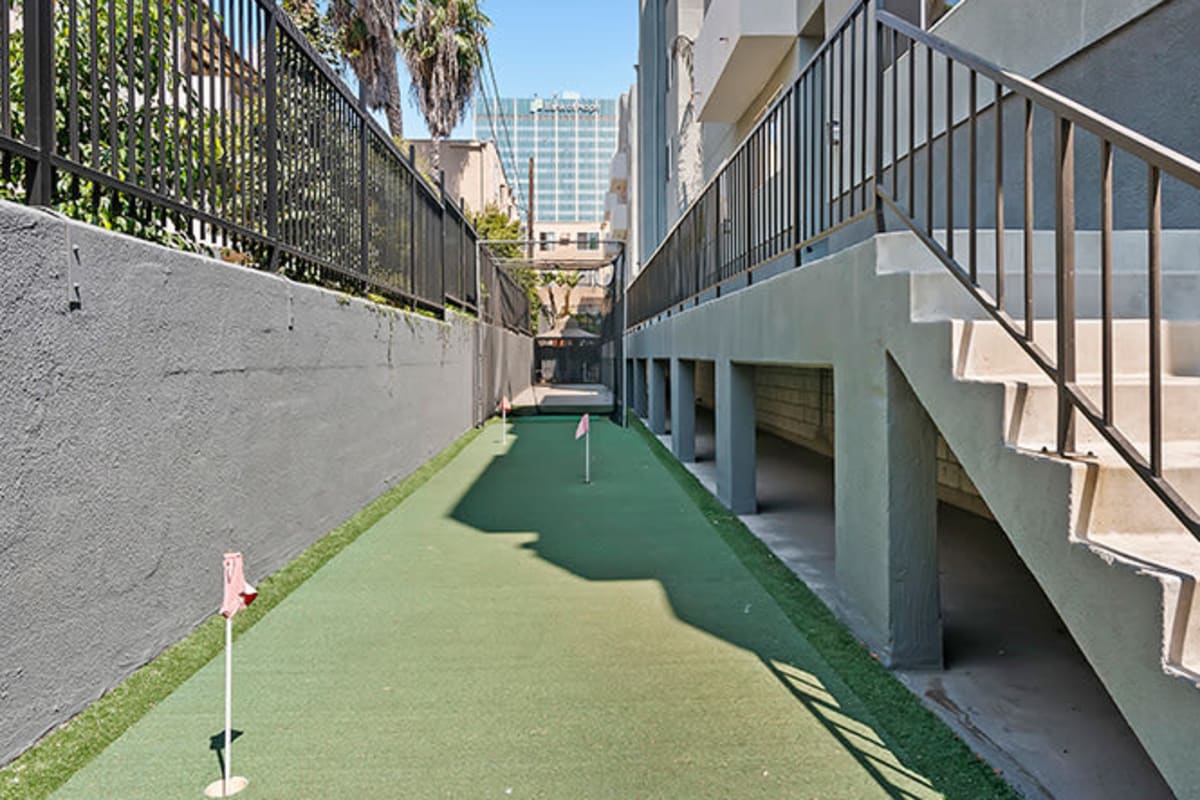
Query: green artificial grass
x,y
508,631
62,752
911,729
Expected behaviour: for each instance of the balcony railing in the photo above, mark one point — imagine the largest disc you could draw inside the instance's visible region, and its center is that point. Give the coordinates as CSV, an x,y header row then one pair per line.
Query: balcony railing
x,y
215,126
888,122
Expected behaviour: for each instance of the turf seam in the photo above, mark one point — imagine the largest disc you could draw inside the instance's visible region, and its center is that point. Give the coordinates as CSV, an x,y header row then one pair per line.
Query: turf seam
x,y
65,750
914,732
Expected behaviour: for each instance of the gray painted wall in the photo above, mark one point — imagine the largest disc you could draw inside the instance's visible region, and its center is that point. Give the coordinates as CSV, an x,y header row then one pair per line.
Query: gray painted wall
x,y
187,407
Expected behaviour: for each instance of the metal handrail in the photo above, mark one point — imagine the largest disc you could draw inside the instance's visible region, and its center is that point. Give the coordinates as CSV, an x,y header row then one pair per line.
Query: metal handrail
x,y
1170,161
736,223
830,99
853,11
1060,367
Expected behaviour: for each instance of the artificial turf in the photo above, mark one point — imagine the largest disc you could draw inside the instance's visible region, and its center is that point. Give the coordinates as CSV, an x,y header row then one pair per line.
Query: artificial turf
x,y
508,631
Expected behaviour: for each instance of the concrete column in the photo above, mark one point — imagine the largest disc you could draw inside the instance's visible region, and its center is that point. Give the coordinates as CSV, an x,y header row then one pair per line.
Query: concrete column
x,y
657,394
683,409
630,389
639,387
735,436
885,481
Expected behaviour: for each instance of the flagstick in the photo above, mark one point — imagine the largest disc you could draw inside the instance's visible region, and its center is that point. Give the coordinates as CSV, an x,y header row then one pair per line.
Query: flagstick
x,y
503,424
228,699
587,455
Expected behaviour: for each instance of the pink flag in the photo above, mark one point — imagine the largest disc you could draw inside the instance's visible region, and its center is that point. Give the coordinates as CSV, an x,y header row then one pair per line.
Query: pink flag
x,y
505,406
582,430
238,593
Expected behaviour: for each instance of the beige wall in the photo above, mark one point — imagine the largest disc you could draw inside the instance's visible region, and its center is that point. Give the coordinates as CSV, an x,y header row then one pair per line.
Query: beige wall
x,y
473,173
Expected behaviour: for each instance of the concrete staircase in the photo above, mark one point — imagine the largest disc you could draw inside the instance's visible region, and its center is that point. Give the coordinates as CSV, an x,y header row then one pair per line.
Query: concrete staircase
x,y
1133,609
1119,517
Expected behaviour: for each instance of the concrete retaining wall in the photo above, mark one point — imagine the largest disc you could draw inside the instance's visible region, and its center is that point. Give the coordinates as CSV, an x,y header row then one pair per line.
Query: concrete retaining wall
x,y
185,408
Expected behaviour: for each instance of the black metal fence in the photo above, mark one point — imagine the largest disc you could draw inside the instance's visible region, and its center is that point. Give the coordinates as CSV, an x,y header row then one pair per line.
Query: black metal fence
x,y
214,125
801,174
889,122
504,301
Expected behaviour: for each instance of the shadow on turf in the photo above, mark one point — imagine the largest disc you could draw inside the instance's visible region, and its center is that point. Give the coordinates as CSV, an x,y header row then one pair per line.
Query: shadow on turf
x,y
216,743
609,530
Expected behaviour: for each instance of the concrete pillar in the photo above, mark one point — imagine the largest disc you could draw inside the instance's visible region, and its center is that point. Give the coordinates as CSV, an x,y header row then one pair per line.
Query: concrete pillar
x,y
885,478
735,436
639,387
630,391
683,409
657,394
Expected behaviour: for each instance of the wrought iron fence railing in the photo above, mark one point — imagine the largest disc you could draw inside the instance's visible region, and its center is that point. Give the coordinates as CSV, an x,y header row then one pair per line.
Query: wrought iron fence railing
x,y
800,174
888,122
214,124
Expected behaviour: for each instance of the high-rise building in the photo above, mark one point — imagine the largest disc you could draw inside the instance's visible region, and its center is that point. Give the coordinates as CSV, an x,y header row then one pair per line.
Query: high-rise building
x,y
571,139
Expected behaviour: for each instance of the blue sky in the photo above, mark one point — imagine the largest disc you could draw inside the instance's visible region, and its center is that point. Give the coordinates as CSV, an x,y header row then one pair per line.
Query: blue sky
x,y
546,46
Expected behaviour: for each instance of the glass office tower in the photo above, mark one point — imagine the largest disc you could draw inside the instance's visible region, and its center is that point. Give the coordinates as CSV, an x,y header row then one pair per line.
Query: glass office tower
x,y
572,141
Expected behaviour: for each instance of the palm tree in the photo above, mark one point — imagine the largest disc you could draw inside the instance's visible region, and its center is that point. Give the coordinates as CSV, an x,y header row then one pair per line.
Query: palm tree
x,y
366,32
443,44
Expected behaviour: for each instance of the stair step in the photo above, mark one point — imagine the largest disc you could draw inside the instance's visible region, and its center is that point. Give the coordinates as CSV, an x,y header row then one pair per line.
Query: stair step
x,y
939,295
1032,409
1180,252
1117,501
984,349
1174,558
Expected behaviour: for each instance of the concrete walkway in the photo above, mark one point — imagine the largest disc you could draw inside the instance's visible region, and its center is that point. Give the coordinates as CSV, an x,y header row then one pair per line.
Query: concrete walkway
x,y
1015,686
565,398
511,632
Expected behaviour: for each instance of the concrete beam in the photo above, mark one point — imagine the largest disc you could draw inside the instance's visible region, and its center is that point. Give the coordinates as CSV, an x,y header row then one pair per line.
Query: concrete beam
x,y
656,386
735,436
683,409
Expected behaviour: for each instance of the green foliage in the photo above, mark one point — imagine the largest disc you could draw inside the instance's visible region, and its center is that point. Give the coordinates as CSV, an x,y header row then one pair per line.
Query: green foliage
x,y
496,227
364,34
443,43
318,28
125,111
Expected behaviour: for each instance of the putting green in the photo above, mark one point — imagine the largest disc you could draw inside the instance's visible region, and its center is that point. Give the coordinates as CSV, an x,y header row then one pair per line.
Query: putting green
x,y
508,631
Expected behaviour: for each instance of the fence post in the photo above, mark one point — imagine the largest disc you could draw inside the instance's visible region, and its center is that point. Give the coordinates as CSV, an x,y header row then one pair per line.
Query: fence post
x,y
880,226
442,238
797,157
364,222
1064,275
412,219
272,154
38,19
461,281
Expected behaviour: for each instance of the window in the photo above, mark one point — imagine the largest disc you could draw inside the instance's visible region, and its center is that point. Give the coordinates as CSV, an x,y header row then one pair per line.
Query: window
x,y
593,241
542,237
581,240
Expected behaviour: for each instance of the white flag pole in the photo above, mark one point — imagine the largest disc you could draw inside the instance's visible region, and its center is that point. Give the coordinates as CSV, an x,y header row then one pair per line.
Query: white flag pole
x,y
587,455
228,785
228,699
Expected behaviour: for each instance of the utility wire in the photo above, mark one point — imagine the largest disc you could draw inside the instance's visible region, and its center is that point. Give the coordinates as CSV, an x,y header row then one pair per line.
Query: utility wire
x,y
494,111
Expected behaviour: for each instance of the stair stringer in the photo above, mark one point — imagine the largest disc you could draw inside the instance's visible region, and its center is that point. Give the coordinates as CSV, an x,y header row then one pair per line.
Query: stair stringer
x,y
1118,609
